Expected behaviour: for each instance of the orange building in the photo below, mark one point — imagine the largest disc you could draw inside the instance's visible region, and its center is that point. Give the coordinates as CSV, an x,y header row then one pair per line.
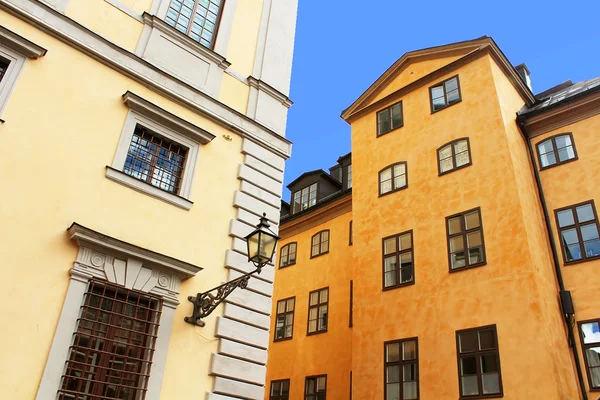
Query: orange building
x,y
452,254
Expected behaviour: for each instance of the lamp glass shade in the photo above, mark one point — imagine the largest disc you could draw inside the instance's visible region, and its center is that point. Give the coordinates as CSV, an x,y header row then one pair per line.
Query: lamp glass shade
x,y
252,241
267,247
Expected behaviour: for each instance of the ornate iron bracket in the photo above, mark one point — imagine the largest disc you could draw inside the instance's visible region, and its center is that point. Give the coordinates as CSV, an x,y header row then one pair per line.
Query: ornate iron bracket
x,y
205,303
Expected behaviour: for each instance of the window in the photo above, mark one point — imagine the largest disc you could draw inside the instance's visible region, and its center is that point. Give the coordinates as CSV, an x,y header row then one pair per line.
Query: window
x,y
445,94
113,345
389,119
590,339
280,390
284,320
198,19
578,230
4,63
350,234
454,155
349,176
398,268
320,244
155,160
304,198
560,146
478,362
401,370
318,310
465,240
393,178
288,255
315,387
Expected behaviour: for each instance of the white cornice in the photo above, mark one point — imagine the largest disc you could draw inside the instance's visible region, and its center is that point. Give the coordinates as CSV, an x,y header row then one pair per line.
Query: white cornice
x,y
20,44
265,87
92,239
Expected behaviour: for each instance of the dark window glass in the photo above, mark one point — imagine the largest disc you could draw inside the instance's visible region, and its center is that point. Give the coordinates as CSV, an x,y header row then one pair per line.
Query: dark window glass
x,y
393,178
315,387
578,231
454,155
398,267
280,390
402,370
445,94
304,198
350,234
478,362
284,319
389,119
113,345
590,340
466,247
198,19
4,63
288,255
556,150
155,160
318,310
319,244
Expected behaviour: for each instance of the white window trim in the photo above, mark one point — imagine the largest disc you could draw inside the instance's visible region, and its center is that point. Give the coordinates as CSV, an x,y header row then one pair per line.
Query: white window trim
x,y
165,124
103,257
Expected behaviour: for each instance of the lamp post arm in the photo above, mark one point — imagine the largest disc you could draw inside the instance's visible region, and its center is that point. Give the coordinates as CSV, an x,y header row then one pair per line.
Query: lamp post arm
x,y
206,302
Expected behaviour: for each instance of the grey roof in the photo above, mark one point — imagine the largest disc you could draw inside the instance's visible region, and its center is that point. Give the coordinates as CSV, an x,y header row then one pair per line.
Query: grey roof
x,y
561,94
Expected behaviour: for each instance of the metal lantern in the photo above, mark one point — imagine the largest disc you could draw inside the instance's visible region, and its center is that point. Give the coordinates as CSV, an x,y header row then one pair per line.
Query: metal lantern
x,y
261,244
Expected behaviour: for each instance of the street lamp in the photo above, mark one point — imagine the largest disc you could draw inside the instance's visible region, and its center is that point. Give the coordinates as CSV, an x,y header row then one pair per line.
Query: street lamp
x,y
260,247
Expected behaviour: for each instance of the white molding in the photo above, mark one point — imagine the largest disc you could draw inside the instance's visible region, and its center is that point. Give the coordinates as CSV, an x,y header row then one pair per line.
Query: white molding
x,y
20,44
128,11
239,389
225,27
271,91
242,351
11,76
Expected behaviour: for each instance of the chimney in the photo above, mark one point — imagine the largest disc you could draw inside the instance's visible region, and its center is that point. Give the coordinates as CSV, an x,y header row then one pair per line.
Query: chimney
x,y
523,72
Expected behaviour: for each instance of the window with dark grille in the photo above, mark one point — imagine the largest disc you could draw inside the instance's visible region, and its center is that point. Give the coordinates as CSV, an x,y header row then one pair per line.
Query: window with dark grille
x,y
284,320
318,308
198,19
155,160
556,150
288,255
389,119
445,94
478,362
465,240
113,345
401,370
590,341
304,198
398,267
280,390
454,155
4,63
578,230
320,243
393,178
315,387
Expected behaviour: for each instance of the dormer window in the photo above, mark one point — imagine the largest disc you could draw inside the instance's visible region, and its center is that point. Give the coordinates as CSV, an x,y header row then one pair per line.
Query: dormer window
x,y
304,198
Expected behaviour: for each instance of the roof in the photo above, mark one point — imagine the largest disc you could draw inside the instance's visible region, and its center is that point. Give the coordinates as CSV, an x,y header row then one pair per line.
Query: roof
x,y
325,200
341,158
561,94
314,172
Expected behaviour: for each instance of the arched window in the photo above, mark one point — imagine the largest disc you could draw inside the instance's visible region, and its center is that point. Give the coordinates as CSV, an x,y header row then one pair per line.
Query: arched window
x,y
556,150
454,155
320,243
393,178
287,255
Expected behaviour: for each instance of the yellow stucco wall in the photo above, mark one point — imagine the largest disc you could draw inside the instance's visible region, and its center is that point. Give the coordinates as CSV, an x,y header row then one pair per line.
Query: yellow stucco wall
x,y
325,353
63,131
566,185
511,290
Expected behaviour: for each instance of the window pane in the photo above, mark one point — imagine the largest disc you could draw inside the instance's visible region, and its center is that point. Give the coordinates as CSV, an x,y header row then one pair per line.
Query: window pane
x,y
399,169
573,252
487,340
454,225
386,187
565,218
324,295
396,115
385,175
469,385
315,250
392,352
446,165
489,363
563,141
548,159
392,374
390,279
475,255
592,248
468,366
585,213
275,388
474,239
490,383
462,158
589,232
290,305
453,96
400,182
436,93
593,356
566,154
472,220
569,236
456,244
467,342
405,241
406,273
314,298
595,376
312,326
383,121
458,260
451,84
545,147
321,382
410,390
390,264
393,391
409,372
591,332
322,318
280,307
389,246
438,103
409,350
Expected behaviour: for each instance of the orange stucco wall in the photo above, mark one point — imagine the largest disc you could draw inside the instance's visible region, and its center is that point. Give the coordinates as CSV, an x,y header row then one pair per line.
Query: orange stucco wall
x,y
327,353
569,184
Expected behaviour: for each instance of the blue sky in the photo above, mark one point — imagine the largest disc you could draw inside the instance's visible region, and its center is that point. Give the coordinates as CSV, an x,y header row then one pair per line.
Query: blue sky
x,y
342,46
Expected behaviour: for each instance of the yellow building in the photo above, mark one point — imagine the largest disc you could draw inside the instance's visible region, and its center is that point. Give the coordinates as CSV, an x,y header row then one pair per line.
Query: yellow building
x,y
142,141
461,263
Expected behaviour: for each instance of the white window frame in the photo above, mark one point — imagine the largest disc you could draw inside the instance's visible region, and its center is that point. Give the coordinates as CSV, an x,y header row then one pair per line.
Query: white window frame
x,y
169,126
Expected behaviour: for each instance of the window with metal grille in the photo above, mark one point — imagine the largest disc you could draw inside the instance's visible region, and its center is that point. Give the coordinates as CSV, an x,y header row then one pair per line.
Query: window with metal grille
x,y
389,118
288,255
4,63
590,341
402,370
466,247
155,160
398,267
320,243
113,345
445,94
198,19
393,178
318,310
315,387
284,320
556,150
280,390
454,155
478,363
578,230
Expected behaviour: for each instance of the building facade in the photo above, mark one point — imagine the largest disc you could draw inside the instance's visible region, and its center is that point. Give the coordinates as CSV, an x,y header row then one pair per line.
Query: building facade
x,y
144,138
461,263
